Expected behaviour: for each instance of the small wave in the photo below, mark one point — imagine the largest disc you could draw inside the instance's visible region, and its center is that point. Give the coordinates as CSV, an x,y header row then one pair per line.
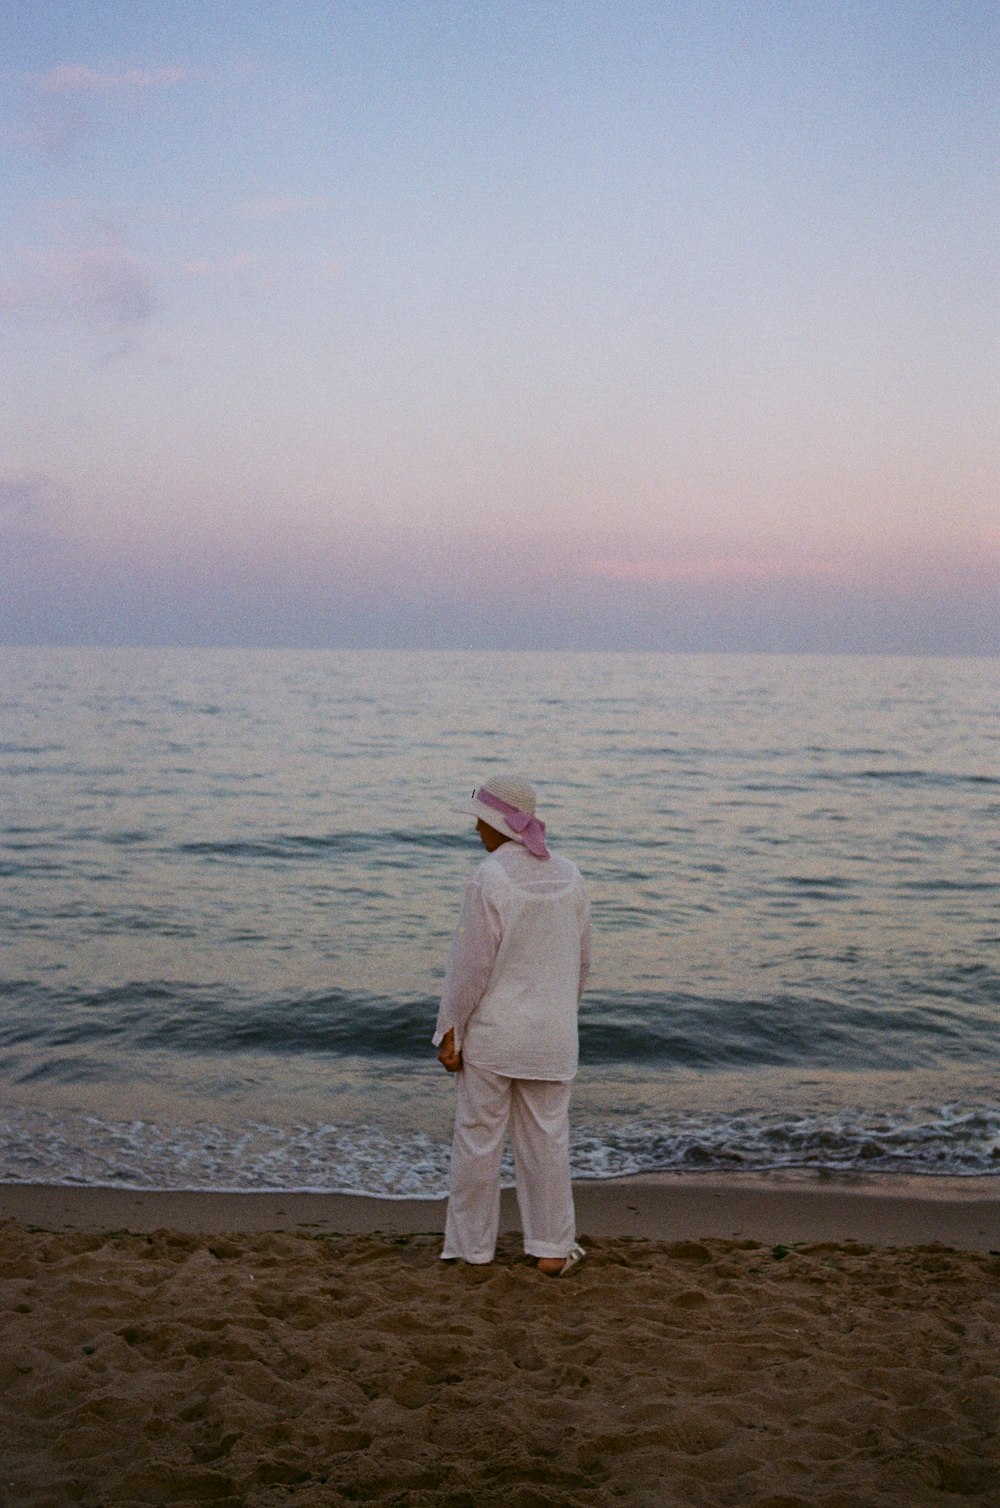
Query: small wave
x,y
297,846
952,1140
33,749
917,777
941,1021
41,1147
794,1030
158,1017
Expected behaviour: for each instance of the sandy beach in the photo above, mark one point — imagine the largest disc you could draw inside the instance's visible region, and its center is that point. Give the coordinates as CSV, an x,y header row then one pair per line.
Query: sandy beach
x,y
768,1343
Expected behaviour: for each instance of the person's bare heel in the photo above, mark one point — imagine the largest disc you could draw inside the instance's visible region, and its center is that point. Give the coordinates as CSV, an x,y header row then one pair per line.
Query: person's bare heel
x,y
561,1267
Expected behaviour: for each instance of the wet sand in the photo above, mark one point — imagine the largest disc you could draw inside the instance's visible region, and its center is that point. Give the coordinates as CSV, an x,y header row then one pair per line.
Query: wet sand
x,y
889,1211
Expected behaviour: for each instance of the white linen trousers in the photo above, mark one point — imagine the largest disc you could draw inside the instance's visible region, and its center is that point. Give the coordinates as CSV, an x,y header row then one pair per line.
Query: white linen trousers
x,y
537,1114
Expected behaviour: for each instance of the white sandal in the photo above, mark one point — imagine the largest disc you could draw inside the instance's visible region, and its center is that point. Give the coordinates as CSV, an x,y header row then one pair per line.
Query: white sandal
x,y
572,1262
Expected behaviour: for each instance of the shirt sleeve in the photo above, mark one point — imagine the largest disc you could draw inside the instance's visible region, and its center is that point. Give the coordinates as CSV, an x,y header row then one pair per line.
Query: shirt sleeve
x,y
470,962
584,947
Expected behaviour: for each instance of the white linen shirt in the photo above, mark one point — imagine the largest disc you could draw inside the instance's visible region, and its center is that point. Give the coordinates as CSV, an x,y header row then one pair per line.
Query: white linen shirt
x,y
518,964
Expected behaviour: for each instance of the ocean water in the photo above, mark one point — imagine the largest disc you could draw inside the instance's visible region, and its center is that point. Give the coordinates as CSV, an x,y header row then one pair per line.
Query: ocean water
x,y
229,879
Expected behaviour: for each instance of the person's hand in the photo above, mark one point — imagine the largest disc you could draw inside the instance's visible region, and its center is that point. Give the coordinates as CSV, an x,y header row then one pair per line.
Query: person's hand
x,y
447,1056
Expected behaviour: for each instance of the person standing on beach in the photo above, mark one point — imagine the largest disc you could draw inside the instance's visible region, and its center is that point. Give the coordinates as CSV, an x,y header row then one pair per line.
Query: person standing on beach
x,y
507,1028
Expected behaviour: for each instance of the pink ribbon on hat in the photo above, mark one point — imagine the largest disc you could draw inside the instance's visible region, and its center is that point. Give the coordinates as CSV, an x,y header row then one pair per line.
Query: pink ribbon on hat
x,y
530,830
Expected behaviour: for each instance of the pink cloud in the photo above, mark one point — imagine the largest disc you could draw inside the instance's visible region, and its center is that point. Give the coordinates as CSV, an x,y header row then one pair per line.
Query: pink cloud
x,y
26,494
105,281
665,571
60,119
76,78
59,128
900,562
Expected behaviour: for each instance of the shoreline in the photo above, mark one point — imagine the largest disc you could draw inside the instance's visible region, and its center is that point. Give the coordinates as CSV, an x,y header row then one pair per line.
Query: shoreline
x,y
803,1207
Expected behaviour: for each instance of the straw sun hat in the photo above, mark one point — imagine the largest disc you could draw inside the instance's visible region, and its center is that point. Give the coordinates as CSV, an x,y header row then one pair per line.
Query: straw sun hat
x,y
514,791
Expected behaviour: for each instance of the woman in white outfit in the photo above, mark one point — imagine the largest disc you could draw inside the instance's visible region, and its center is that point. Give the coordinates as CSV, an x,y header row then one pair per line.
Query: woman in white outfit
x,y
507,1028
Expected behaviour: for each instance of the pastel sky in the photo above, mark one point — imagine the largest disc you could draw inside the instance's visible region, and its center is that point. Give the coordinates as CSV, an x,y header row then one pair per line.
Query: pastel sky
x,y
653,324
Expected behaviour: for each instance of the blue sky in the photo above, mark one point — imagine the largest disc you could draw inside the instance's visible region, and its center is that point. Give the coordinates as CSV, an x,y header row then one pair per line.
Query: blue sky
x,y
529,325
